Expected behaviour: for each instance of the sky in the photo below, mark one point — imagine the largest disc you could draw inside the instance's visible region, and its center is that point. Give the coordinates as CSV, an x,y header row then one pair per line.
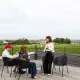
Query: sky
x,y
36,19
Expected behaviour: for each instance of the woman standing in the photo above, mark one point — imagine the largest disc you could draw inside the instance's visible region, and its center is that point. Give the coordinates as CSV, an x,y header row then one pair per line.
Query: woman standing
x,y
49,48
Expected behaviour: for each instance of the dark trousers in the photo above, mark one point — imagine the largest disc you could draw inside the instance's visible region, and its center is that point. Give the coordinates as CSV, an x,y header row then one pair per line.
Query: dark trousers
x,y
32,69
47,62
31,66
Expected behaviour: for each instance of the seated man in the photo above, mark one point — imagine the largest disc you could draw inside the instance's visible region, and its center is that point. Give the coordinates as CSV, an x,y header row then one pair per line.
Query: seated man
x,y
6,53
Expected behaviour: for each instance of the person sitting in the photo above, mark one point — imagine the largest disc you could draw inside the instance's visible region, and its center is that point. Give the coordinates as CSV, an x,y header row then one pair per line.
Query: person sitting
x,y
6,53
12,61
23,55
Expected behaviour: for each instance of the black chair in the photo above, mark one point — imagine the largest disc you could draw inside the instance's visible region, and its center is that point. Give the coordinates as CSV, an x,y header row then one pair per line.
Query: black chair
x,y
6,63
22,65
61,61
40,55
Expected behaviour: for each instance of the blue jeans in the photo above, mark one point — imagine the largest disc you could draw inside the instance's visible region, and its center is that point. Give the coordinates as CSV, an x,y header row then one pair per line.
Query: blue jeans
x,y
32,69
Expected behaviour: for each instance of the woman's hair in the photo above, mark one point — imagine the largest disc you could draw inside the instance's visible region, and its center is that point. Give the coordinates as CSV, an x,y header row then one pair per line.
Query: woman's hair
x,y
49,37
23,49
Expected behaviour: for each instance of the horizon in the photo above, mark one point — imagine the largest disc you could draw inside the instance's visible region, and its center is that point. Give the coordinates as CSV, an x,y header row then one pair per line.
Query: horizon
x,y
35,39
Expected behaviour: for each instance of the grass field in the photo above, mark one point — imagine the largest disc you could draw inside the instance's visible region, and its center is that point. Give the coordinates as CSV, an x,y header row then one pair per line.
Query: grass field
x,y
68,48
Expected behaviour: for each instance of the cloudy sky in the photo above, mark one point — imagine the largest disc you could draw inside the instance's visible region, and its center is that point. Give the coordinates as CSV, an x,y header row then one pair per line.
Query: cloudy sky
x,y
35,19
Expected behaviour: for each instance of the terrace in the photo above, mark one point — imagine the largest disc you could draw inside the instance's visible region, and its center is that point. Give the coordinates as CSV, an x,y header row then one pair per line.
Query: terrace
x,y
74,74
73,66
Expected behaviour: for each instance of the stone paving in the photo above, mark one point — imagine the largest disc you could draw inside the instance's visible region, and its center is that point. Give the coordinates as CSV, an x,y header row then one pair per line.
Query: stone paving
x,y
74,74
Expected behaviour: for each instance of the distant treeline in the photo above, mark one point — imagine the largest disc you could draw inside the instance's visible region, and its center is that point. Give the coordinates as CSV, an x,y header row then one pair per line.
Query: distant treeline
x,y
26,41
19,41
62,40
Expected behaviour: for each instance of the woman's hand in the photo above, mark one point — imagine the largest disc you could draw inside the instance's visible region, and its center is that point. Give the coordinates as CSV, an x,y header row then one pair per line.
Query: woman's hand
x,y
47,47
14,56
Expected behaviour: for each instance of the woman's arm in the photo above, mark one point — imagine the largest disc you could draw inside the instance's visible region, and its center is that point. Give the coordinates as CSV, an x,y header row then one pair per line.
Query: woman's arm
x,y
51,47
19,56
27,57
45,48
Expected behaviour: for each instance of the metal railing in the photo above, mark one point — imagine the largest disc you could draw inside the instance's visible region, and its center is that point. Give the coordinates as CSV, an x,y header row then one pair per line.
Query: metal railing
x,y
68,50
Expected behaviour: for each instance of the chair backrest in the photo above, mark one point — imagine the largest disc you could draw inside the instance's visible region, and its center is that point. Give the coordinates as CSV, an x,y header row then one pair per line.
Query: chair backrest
x,y
23,64
40,54
55,61
6,61
65,60
61,60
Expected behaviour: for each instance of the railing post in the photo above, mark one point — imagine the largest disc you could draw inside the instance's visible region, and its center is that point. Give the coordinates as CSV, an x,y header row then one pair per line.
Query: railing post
x,y
74,48
64,50
12,51
36,52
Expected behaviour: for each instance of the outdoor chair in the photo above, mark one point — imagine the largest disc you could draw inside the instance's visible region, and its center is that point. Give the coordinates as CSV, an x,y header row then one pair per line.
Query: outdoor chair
x,y
40,55
6,64
60,61
22,65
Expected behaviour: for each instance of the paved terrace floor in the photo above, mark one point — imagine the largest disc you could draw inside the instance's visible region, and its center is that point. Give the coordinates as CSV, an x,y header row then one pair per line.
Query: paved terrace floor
x,y
74,74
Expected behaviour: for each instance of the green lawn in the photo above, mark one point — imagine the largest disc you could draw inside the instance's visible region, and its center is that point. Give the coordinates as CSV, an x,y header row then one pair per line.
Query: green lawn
x,y
68,48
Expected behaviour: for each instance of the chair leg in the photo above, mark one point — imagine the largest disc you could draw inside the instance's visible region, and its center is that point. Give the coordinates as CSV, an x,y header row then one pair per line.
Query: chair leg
x,y
67,69
2,70
11,71
7,70
59,69
53,68
19,76
16,72
27,71
41,68
62,70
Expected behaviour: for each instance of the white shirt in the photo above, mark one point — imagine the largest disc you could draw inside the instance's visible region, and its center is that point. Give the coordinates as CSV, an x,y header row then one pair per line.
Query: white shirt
x,y
50,47
6,54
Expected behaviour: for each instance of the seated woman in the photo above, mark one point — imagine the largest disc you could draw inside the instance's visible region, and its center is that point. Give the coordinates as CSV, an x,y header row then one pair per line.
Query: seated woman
x,y
23,55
